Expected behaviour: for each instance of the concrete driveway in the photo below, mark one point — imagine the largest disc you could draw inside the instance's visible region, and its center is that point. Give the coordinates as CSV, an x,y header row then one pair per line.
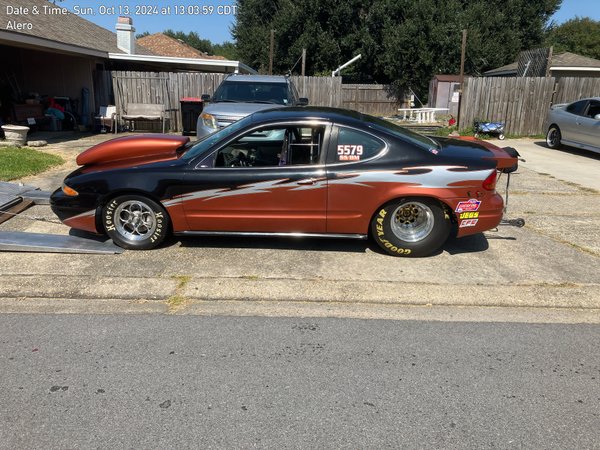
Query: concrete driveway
x,y
536,273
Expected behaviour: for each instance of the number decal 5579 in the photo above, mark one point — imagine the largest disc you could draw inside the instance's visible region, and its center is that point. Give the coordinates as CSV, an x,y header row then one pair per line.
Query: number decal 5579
x,y
349,152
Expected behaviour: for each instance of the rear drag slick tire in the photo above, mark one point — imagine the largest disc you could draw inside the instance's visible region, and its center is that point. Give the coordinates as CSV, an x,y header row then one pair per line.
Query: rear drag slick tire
x,y
411,227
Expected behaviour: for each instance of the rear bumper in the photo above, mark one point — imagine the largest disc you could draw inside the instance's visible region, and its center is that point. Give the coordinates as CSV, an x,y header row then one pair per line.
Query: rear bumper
x,y
473,218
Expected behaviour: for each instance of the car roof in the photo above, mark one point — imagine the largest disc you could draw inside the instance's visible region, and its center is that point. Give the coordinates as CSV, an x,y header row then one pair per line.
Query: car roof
x,y
308,112
257,78
588,98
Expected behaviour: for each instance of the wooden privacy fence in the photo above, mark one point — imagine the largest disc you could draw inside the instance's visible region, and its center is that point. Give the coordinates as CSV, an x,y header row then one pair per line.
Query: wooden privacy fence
x,y
320,91
167,88
370,99
571,89
522,103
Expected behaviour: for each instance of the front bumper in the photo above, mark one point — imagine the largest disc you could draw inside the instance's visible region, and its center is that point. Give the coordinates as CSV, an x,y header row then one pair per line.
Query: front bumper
x,y
76,212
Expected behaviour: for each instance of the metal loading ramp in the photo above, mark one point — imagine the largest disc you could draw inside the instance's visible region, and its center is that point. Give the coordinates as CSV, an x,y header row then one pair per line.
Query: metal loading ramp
x,y
15,241
16,198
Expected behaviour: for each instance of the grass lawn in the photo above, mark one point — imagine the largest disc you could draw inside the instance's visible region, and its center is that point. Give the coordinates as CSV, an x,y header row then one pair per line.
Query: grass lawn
x,y
18,162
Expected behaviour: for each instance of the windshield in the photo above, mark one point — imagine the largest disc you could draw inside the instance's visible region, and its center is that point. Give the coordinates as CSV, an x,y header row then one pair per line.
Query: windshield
x,y
207,143
252,92
403,133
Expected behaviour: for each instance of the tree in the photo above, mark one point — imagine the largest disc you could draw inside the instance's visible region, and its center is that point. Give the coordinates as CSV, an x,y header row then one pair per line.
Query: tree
x,y
403,42
226,49
580,35
192,39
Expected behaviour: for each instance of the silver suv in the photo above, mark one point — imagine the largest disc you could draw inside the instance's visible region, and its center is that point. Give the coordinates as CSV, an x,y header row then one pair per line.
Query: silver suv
x,y
241,95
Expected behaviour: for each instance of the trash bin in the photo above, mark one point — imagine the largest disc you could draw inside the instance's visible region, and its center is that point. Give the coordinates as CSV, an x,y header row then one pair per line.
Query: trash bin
x,y
191,107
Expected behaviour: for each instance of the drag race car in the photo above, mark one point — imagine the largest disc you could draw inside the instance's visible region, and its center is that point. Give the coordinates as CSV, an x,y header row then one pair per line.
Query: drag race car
x,y
298,171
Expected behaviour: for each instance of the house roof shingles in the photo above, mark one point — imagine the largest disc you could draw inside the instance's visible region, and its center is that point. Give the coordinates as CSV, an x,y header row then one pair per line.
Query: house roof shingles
x,y
568,59
64,28
559,60
163,45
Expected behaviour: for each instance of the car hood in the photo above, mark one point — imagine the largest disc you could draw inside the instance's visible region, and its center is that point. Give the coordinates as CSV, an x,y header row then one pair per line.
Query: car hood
x,y
467,147
132,150
237,109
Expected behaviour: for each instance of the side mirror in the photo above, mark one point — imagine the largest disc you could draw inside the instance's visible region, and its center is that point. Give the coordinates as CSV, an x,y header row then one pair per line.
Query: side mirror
x,y
205,98
302,101
597,117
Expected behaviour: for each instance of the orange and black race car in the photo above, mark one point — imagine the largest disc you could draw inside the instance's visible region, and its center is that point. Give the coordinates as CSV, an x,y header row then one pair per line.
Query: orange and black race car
x,y
317,172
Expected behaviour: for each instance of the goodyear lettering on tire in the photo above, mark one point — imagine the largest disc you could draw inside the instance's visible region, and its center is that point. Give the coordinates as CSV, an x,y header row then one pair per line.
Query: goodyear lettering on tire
x,y
381,236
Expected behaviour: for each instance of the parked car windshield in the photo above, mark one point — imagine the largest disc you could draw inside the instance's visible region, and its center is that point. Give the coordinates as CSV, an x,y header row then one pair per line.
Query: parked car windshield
x,y
252,92
207,143
403,133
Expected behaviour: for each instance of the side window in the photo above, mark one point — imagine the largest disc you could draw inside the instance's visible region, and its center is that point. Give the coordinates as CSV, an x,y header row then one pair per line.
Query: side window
x,y
594,109
577,107
354,145
273,147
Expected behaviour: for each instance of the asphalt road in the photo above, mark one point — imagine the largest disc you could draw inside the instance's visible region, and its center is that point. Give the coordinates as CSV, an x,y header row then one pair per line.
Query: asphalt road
x,y
156,381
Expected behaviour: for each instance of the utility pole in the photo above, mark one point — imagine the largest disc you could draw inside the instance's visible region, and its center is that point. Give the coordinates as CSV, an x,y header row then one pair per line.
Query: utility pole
x,y
303,61
462,57
271,52
463,51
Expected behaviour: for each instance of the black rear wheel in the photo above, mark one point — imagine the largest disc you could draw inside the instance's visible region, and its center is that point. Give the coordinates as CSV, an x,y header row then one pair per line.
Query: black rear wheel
x,y
553,137
411,227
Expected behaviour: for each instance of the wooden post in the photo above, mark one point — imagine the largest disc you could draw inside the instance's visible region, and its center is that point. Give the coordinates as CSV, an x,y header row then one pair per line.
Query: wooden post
x,y
549,61
303,72
271,52
463,51
462,56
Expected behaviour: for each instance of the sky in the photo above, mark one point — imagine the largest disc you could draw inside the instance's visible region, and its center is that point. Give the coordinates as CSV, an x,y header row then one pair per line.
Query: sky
x,y
212,19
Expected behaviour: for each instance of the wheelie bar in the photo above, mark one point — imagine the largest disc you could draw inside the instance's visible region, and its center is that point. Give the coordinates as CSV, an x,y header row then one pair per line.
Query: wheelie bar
x,y
519,222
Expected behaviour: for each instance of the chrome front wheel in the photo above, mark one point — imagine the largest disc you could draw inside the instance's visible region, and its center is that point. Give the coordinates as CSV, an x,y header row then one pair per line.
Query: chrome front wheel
x,y
135,222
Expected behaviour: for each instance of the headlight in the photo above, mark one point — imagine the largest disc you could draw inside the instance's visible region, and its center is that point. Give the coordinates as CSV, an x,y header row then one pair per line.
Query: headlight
x,y
69,191
208,120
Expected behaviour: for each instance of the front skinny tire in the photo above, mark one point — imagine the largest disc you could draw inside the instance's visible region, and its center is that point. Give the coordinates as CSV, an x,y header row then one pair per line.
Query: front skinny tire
x,y
135,222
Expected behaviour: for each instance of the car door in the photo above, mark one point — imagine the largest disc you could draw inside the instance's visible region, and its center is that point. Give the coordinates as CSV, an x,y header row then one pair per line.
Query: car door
x,y
589,125
569,124
351,165
268,179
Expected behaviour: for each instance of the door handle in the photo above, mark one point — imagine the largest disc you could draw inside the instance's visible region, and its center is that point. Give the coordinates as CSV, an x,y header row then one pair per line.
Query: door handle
x,y
307,181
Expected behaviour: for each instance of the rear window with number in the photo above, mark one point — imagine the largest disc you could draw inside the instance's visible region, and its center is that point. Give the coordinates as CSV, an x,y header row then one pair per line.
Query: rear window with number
x,y
353,145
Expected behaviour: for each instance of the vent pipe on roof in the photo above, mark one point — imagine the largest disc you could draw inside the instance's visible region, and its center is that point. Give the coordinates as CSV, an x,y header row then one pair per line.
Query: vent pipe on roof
x,y
126,35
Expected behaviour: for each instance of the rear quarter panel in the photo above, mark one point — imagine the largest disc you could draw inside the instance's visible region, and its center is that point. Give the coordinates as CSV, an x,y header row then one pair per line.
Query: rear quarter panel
x,y
356,191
